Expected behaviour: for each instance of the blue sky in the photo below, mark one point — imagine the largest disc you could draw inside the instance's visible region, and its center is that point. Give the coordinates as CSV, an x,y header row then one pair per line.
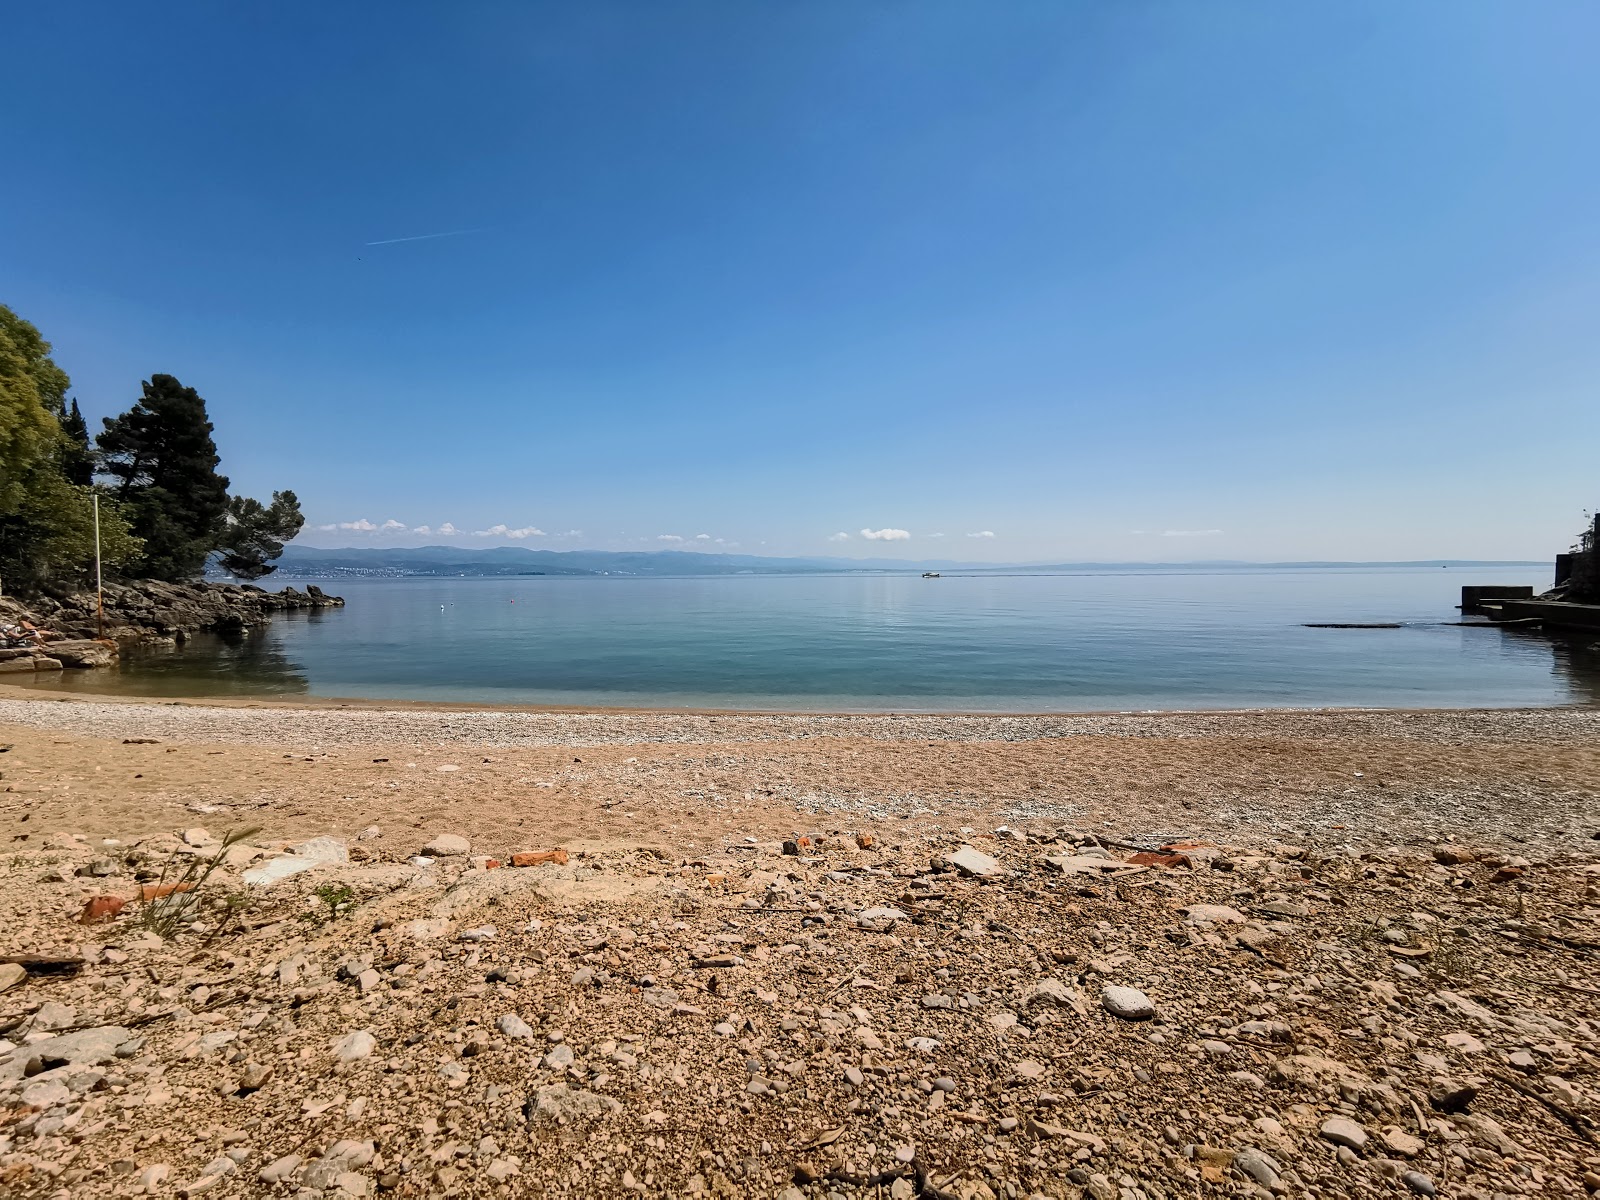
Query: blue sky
x,y
1145,281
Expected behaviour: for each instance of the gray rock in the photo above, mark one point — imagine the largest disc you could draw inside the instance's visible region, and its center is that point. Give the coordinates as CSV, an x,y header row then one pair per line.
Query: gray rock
x,y
279,1170
1261,1167
447,845
1130,1004
1419,1183
1213,914
879,920
46,1093
560,1056
81,1048
1342,1131
557,1101
974,862
52,1015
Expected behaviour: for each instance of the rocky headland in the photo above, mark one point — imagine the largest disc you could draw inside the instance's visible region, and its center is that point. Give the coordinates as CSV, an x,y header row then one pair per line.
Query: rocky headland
x,y
144,611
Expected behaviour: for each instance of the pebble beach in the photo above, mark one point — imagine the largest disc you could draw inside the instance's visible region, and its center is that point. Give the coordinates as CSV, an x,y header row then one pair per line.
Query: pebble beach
x,y
1125,956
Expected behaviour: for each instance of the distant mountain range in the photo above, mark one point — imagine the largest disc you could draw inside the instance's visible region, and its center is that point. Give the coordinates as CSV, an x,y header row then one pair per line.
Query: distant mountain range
x,y
311,562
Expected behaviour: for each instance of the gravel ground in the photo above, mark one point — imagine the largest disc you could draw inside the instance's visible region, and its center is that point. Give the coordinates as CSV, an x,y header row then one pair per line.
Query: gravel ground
x,y
330,726
868,1015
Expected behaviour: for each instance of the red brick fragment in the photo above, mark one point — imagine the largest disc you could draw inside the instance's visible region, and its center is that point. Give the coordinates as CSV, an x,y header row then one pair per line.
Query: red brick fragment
x,y
101,908
534,858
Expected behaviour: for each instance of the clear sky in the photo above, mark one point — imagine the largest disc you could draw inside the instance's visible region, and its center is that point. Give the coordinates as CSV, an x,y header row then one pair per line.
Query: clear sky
x,y
1119,280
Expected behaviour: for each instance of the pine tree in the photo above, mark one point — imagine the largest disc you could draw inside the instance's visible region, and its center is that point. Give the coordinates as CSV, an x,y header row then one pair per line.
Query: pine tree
x,y
255,533
164,461
77,457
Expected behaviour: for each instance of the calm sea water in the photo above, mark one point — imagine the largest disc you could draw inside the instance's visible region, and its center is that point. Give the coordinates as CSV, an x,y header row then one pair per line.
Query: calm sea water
x,y
1109,640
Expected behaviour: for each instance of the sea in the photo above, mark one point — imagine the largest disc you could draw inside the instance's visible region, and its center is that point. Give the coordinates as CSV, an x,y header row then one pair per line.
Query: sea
x,y
1118,640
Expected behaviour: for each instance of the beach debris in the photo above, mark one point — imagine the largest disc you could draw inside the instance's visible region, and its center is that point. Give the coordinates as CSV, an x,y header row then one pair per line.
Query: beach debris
x,y
537,858
99,909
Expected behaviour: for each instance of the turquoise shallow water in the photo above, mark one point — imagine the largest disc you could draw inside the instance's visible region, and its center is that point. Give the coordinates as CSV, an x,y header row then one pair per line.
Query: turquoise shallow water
x,y
1105,640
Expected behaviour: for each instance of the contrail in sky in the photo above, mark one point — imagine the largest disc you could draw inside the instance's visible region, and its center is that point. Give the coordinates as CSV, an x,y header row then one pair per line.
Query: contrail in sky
x,y
422,237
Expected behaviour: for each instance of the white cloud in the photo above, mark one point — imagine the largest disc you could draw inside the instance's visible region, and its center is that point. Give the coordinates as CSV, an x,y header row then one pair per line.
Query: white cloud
x,y
571,533
668,537
327,528
423,530
983,533
527,531
935,535
841,536
1190,532
885,535
704,537
361,526
447,530
391,526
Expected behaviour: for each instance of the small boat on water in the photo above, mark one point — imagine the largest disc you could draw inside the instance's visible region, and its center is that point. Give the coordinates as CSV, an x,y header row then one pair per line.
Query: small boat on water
x,y
930,574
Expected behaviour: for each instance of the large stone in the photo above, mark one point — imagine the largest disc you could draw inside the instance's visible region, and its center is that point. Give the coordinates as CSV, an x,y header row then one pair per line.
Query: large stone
x,y
447,845
1130,1004
974,862
513,1026
1342,1131
11,974
1213,914
558,1101
82,653
81,1048
1081,864
354,1046
879,920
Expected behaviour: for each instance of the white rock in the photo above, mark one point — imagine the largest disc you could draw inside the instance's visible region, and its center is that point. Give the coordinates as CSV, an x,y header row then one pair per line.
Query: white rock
x,y
355,1045
1128,1003
513,1026
447,845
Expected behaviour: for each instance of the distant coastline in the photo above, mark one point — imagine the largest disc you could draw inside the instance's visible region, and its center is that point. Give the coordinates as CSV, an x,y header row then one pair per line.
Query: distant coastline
x,y
309,562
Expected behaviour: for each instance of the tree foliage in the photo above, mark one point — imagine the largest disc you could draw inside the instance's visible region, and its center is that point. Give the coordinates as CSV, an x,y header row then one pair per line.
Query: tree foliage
x,y
163,460
31,391
165,510
77,455
48,541
254,534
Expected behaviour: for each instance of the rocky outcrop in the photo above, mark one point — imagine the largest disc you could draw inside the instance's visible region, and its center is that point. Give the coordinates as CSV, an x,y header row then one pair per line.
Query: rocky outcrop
x,y
153,611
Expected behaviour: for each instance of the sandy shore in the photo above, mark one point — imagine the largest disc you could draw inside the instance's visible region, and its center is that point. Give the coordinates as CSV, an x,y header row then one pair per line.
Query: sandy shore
x,y
1523,779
